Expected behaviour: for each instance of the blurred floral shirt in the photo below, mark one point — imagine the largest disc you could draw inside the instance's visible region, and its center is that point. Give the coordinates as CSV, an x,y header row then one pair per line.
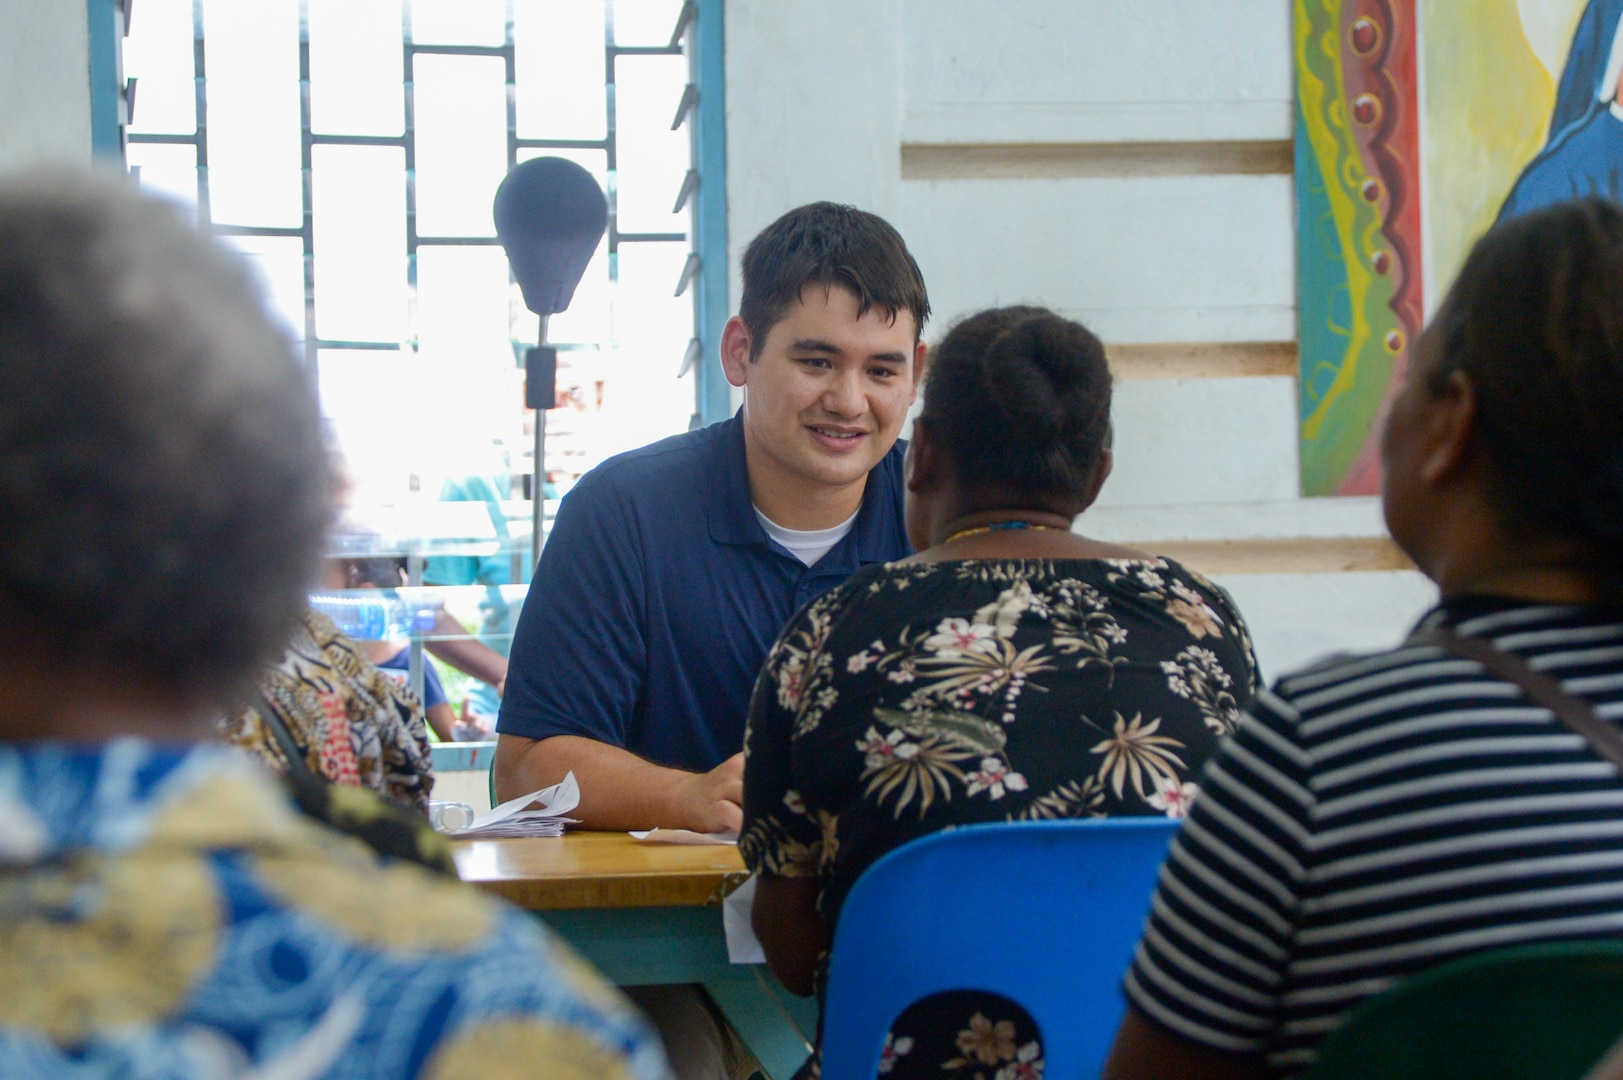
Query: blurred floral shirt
x,y
170,914
356,726
920,696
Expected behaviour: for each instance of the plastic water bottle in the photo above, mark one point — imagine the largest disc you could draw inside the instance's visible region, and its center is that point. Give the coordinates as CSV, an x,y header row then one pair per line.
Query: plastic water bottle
x,y
373,618
449,816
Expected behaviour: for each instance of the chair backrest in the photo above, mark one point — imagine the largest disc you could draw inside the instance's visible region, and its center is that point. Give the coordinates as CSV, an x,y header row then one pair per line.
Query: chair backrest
x,y
1548,1011
1045,913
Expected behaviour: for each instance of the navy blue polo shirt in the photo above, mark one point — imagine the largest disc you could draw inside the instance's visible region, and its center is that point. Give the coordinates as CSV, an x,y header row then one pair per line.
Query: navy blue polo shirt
x,y
658,595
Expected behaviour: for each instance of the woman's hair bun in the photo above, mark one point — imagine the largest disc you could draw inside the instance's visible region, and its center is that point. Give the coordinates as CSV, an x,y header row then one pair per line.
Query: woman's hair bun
x,y
1020,398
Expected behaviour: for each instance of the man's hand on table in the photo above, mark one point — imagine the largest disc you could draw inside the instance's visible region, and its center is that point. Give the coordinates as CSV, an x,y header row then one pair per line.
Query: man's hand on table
x,y
620,791
714,801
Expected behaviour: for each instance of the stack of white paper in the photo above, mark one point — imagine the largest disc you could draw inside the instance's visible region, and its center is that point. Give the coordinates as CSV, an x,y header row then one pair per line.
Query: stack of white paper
x,y
684,836
512,818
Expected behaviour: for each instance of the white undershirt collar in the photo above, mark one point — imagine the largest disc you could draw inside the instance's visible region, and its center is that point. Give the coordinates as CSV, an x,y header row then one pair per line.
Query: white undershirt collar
x,y
807,545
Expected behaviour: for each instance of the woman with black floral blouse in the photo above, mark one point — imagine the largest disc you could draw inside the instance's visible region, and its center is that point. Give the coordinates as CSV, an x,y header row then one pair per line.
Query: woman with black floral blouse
x,y
1011,670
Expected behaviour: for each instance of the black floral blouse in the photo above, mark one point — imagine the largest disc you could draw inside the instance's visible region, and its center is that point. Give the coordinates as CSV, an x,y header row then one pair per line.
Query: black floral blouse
x,y
924,695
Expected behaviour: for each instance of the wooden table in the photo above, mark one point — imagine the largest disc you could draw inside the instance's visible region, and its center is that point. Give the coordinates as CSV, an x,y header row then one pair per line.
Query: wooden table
x,y
600,870
648,914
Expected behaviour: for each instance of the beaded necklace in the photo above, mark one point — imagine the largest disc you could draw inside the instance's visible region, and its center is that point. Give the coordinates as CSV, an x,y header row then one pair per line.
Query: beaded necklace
x,y
1000,526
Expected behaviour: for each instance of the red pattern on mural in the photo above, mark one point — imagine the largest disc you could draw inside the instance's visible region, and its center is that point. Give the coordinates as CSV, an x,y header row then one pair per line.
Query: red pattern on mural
x,y
1380,72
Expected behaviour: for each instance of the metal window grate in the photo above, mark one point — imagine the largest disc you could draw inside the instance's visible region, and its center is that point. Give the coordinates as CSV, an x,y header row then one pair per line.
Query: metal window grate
x,y
684,105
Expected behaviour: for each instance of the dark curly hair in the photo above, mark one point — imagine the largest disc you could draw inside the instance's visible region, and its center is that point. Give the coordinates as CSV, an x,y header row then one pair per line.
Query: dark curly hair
x,y
1535,321
1020,399
164,480
826,243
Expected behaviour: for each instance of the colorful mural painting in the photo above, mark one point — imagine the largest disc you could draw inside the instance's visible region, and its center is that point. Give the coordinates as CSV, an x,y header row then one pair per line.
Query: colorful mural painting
x,y
1358,228
1418,124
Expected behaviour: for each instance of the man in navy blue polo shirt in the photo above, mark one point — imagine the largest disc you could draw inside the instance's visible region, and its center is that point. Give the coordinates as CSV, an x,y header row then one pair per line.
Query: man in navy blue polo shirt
x,y
671,569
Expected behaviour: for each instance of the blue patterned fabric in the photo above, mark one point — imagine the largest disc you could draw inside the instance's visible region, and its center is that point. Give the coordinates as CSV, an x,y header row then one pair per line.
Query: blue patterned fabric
x,y
169,914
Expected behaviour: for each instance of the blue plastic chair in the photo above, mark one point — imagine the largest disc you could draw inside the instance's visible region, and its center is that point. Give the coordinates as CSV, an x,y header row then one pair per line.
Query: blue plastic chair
x,y
1045,913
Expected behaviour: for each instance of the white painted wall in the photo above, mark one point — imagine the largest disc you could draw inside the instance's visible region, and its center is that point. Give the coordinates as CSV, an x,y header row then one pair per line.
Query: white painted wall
x,y
1041,71
821,99
1299,618
44,82
1184,441
814,98
1138,259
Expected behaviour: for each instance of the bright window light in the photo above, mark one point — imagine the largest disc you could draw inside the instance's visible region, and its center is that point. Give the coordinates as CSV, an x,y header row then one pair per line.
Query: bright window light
x,y
351,149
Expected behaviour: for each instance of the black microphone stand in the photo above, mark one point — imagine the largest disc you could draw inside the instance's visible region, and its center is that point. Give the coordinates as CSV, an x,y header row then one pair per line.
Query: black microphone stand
x,y
549,215
540,394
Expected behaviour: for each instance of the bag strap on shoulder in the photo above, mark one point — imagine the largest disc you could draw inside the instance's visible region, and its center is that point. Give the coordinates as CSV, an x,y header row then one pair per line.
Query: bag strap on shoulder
x,y
296,763
1578,715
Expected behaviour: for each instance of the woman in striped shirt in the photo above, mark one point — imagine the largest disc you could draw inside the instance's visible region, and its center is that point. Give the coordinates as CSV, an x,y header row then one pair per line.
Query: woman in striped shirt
x,y
1378,815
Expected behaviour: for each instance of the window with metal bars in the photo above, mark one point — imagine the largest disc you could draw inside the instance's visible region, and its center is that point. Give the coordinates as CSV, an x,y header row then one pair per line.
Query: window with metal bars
x,y
351,149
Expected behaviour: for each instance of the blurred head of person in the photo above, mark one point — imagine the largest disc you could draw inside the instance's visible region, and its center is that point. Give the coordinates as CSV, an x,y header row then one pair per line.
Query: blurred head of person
x,y
1015,428
1503,451
378,572
163,475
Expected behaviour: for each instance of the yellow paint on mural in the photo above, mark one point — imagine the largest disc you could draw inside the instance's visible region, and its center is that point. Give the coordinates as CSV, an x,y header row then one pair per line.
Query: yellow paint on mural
x,y
1489,70
1331,161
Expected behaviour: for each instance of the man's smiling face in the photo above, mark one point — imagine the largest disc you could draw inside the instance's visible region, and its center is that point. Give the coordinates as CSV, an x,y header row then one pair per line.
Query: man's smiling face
x,y
826,395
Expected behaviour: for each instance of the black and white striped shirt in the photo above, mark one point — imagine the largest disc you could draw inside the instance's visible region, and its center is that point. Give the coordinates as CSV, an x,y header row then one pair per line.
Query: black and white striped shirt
x,y
1377,815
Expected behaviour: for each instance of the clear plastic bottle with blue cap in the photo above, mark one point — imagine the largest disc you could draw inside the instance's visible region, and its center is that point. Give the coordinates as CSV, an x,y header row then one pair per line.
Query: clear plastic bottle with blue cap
x,y
381,617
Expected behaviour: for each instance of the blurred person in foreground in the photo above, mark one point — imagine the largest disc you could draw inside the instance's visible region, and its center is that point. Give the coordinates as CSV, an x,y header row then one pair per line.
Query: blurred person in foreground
x,y
1011,670
1378,815
168,910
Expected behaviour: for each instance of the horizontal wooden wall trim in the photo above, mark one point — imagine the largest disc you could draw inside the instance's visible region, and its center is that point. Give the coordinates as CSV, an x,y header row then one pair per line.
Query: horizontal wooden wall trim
x,y
1296,555
1198,360
1046,161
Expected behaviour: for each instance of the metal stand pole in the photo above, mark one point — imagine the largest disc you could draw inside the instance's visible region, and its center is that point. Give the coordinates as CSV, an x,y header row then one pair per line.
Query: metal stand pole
x,y
414,660
540,368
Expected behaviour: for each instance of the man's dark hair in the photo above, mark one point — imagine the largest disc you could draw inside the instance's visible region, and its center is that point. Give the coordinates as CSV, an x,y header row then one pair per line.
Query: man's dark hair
x,y
1535,321
827,244
1019,398
164,481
